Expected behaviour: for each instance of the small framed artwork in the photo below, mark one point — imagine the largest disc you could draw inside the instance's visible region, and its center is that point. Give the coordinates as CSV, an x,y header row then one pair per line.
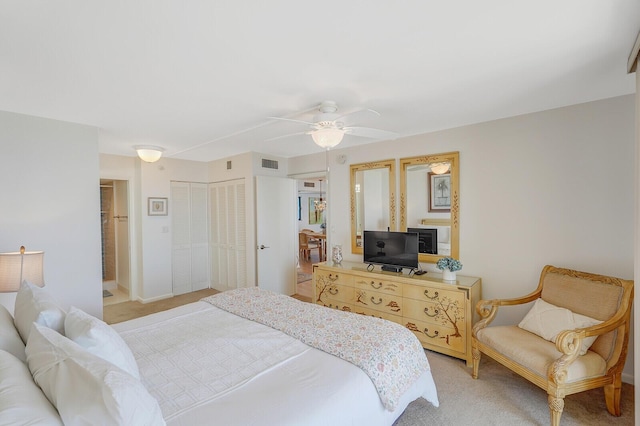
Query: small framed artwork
x,y
315,216
439,193
157,206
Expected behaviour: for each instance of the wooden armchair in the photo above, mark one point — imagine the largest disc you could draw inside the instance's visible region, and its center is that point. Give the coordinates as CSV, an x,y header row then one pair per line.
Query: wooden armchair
x,y
305,246
558,367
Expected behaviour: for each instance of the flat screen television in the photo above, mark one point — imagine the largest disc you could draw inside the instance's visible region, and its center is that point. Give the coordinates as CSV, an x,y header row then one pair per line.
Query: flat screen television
x,y
392,250
427,240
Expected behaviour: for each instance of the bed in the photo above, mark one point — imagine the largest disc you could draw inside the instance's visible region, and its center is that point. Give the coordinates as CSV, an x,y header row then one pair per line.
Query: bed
x,y
220,360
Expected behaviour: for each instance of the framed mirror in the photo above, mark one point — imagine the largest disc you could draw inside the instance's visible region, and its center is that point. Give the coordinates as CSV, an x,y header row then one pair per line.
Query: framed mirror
x,y
373,205
430,203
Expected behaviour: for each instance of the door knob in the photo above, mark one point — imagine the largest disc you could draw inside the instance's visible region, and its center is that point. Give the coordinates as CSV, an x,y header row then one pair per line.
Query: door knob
x,y
262,247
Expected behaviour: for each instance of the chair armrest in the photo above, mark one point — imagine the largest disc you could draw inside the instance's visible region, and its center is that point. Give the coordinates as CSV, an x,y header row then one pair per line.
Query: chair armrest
x,y
487,309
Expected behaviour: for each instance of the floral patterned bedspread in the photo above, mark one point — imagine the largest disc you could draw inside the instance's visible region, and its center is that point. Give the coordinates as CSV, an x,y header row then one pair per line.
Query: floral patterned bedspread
x,y
390,354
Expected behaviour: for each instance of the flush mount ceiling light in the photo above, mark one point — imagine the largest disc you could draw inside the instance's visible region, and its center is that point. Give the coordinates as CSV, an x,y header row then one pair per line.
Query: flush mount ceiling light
x,y
149,153
440,168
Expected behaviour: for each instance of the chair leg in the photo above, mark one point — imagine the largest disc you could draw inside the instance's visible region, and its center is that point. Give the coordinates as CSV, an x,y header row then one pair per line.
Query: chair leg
x,y
475,355
556,405
612,394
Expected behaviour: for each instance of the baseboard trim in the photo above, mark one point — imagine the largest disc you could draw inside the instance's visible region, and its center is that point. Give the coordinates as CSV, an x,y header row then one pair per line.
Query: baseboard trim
x,y
628,378
155,299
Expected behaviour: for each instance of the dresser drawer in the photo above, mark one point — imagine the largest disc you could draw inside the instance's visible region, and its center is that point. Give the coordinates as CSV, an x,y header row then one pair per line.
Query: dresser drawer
x,y
377,301
328,291
340,306
430,294
438,335
378,314
382,286
331,277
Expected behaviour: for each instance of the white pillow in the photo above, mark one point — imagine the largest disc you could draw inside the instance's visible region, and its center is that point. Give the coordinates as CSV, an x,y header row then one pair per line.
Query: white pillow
x,y
86,389
547,321
21,401
10,340
34,304
100,339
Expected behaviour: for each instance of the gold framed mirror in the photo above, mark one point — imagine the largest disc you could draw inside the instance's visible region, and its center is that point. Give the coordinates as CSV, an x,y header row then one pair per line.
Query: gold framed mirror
x,y
430,203
373,195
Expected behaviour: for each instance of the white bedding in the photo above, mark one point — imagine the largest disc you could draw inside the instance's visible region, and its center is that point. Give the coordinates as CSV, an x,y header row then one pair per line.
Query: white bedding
x,y
195,361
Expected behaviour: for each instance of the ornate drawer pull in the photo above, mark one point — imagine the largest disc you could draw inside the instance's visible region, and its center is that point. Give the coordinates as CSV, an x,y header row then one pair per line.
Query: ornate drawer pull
x,y
333,290
373,284
378,302
435,312
332,278
426,293
426,332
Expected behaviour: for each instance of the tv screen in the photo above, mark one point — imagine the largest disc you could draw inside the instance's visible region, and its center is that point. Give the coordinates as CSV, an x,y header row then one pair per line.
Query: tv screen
x,y
427,240
393,250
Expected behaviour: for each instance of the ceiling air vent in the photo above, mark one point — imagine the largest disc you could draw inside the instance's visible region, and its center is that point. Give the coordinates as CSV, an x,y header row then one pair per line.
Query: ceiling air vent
x,y
309,184
269,164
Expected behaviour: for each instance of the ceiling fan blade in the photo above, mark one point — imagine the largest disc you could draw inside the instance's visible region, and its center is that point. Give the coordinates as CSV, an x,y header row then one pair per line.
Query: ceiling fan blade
x,y
359,115
367,132
291,119
285,136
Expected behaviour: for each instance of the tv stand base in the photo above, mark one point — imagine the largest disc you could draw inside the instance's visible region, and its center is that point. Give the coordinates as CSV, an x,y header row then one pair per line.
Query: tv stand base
x,y
396,269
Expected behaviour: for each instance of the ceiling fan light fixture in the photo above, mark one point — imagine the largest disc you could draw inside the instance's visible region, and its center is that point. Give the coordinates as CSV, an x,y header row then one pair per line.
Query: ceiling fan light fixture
x,y
149,153
440,168
327,138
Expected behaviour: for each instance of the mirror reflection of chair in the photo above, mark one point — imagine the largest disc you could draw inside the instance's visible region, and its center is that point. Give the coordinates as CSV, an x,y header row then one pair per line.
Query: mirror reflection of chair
x,y
573,339
305,246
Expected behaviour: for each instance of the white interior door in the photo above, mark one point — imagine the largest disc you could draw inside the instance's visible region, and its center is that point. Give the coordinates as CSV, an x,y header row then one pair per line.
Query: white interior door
x,y
276,232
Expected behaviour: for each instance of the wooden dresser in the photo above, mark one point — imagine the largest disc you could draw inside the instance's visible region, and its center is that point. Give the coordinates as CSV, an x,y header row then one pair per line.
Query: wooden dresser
x,y
441,314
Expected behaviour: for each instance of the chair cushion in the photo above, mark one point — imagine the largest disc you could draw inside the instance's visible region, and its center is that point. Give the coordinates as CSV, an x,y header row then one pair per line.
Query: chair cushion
x,y
547,321
537,354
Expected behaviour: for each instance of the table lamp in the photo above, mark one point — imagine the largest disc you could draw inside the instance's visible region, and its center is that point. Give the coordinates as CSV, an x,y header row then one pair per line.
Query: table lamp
x,y
16,267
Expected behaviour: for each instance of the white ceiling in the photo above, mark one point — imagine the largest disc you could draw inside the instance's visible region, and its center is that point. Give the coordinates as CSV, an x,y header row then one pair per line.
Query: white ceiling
x,y
201,77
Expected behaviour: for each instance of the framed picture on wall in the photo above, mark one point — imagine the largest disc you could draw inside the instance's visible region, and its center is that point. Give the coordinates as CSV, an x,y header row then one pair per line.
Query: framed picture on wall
x,y
157,206
315,216
439,193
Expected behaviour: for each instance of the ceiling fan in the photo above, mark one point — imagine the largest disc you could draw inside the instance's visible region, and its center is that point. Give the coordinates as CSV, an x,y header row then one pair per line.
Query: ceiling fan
x,y
328,127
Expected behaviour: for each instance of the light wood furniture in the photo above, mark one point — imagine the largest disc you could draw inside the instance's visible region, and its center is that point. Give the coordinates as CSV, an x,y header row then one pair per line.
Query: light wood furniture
x,y
557,367
439,313
305,246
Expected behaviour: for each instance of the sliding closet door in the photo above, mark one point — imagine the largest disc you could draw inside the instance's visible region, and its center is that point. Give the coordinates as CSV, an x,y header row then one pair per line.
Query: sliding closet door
x,y
227,225
189,259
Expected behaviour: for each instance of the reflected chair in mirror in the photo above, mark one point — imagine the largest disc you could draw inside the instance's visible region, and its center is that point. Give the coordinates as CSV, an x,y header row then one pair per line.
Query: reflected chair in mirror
x,y
305,246
573,339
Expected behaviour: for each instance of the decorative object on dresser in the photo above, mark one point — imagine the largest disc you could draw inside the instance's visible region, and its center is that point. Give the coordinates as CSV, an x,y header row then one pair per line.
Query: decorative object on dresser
x,y
449,266
439,313
587,352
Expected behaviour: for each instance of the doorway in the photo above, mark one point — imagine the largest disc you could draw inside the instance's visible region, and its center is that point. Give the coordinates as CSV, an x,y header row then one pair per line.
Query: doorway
x,y
114,231
311,218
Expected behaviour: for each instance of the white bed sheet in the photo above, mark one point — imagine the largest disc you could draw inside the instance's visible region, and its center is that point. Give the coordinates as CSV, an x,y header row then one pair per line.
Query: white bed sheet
x,y
309,388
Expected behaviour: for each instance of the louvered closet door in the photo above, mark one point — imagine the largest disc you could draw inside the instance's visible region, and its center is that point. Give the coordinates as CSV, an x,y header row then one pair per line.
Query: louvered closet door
x,y
190,254
181,237
199,237
227,224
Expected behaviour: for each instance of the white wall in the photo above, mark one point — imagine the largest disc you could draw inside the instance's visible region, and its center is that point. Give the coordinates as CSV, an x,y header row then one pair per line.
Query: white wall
x,y
51,202
554,187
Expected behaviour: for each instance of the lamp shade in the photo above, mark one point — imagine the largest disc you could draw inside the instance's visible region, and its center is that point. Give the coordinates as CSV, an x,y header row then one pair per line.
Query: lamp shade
x,y
327,138
149,153
16,267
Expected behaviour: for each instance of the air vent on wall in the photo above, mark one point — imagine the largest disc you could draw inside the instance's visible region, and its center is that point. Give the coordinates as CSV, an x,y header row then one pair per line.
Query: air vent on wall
x,y
309,184
269,164
228,164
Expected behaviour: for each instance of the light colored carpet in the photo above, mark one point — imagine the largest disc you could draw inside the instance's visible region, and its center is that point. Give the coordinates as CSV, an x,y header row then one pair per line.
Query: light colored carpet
x,y
500,397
